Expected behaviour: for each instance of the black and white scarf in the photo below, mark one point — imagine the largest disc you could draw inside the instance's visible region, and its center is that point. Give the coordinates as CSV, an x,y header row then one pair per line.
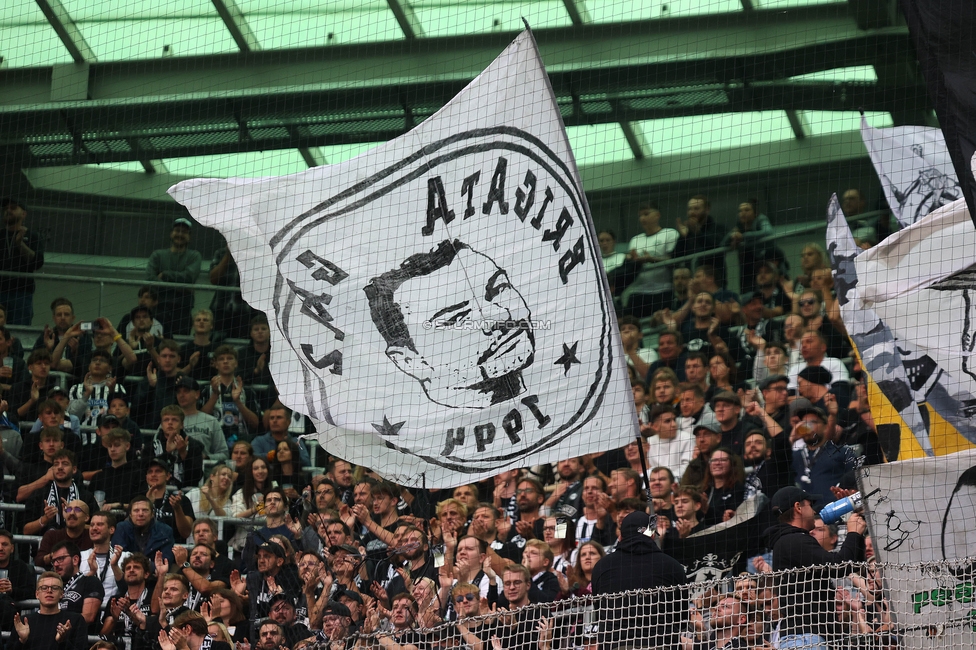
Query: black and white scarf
x,y
53,500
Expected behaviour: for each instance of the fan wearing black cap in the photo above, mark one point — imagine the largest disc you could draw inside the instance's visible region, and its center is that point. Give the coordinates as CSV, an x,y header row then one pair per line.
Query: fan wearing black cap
x,y
807,597
142,331
270,578
638,563
818,462
337,625
171,508
283,613
178,263
23,252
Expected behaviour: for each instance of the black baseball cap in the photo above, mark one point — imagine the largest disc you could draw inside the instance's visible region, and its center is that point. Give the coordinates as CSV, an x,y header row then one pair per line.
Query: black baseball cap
x,y
159,462
336,608
282,596
108,420
139,308
786,498
188,382
273,548
812,410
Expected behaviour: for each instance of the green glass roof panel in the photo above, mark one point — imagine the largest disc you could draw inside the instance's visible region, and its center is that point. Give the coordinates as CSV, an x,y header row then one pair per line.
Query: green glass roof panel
x,y
788,4
853,73
151,29
27,39
440,18
608,11
127,166
250,164
310,23
826,122
709,132
598,143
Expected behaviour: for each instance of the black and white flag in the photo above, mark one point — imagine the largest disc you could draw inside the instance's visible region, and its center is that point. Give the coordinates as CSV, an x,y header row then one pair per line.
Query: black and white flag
x,y
440,299
915,169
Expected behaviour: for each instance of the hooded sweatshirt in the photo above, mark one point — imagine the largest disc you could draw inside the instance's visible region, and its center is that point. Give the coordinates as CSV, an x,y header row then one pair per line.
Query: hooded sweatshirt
x,y
653,620
807,597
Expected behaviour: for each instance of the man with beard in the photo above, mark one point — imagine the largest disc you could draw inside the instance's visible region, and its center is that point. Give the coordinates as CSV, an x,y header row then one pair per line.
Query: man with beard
x,y
268,580
101,560
45,506
417,565
74,531
82,594
141,533
199,572
50,626
269,636
283,613
205,532
340,472
530,495
625,484
567,498
670,346
134,603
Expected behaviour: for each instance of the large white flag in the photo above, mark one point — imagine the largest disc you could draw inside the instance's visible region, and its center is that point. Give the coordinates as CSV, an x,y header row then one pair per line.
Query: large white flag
x,y
438,304
923,512
921,282
874,340
915,169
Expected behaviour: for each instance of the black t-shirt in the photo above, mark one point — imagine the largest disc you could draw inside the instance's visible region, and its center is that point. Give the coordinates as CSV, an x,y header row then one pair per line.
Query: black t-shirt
x,y
77,590
165,514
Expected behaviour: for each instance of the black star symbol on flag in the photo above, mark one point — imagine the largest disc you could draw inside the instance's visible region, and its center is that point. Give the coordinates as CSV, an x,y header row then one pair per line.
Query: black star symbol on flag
x,y
387,429
568,358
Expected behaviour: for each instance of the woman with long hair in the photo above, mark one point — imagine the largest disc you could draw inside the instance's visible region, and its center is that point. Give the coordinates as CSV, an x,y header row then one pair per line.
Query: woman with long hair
x,y
286,468
812,257
724,485
248,502
214,498
721,373
581,574
226,607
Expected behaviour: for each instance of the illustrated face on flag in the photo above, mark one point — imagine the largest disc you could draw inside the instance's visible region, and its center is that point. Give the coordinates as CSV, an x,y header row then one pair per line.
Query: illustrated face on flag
x,y
439,300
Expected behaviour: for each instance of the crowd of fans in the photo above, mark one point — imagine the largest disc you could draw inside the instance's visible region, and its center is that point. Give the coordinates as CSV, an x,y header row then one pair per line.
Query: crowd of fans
x,y
127,474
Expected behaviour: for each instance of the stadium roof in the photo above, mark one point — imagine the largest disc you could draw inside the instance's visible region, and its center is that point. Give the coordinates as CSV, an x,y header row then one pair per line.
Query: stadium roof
x,y
255,88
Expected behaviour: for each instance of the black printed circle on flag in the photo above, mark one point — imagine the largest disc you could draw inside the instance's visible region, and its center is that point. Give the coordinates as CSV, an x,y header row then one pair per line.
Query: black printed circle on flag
x,y
451,302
